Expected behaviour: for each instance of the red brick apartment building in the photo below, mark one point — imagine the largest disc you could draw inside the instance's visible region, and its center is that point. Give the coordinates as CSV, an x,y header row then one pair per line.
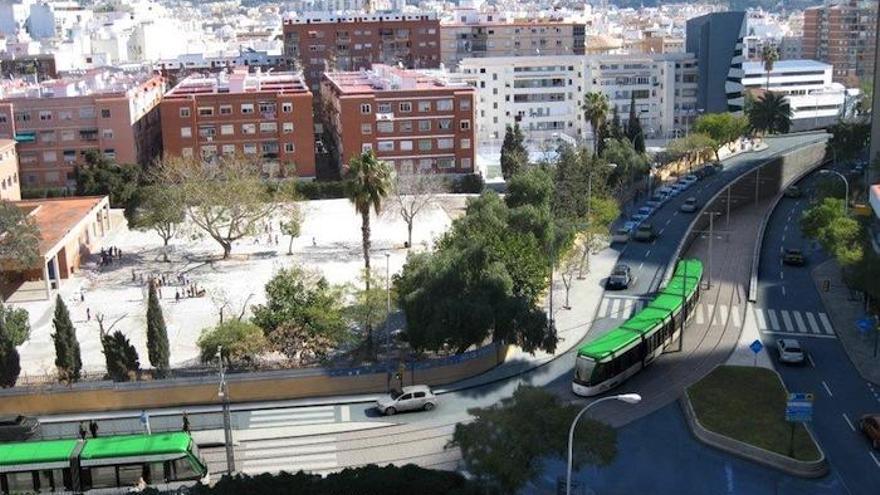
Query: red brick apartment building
x,y
56,122
265,114
9,184
842,34
416,121
321,42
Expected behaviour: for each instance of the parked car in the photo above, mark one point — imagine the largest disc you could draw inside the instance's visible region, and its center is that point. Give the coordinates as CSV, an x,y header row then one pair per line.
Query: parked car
x,y
691,179
414,398
653,203
870,426
620,278
793,192
645,233
660,196
622,233
793,257
689,205
18,428
679,187
646,210
790,351
637,218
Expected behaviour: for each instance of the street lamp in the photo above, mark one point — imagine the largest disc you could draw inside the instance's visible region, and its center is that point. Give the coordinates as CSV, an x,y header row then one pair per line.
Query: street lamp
x,y
627,398
826,171
387,300
223,393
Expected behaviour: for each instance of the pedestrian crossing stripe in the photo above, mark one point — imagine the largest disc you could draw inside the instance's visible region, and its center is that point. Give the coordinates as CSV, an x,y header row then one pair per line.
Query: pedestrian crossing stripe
x,y
793,322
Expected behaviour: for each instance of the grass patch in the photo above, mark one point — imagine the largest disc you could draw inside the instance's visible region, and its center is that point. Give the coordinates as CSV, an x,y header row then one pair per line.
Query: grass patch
x,y
748,404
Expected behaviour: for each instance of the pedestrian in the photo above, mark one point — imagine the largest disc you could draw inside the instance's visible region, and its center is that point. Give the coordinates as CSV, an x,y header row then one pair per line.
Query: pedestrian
x,y
176,296
93,427
82,430
313,242
276,239
185,422
133,275
82,296
88,314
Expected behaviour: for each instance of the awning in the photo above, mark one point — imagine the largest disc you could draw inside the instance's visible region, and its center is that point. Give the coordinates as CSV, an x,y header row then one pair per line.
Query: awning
x,y
26,137
875,199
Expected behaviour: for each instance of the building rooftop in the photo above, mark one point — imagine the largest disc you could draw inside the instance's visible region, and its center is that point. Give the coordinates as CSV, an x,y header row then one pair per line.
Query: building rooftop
x,y
330,17
58,217
386,78
782,66
93,82
239,81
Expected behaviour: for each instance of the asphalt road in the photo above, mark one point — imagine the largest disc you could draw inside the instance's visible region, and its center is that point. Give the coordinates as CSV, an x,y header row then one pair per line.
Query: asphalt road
x,y
788,304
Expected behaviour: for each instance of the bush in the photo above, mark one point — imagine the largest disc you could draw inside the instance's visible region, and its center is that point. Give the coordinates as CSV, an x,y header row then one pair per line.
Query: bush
x,y
242,342
16,323
468,184
321,189
44,192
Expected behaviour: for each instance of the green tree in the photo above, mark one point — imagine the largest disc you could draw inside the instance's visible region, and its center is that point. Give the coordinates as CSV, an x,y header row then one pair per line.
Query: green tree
x,y
367,185
506,444
578,176
769,56
120,356
99,176
291,226
630,163
838,234
15,323
596,109
694,149
615,129
723,128
157,335
67,354
534,186
20,239
849,139
514,156
159,208
10,365
770,114
634,132
242,341
368,308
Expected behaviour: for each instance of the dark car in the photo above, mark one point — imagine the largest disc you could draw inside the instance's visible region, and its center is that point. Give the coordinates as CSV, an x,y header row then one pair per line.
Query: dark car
x,y
793,257
644,233
870,426
620,278
793,192
18,428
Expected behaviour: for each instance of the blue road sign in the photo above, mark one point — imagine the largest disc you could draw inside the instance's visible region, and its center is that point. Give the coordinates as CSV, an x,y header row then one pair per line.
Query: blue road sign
x,y
865,324
799,408
756,346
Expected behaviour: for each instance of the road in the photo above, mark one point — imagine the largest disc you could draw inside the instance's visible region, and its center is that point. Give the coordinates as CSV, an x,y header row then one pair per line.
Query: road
x,y
789,306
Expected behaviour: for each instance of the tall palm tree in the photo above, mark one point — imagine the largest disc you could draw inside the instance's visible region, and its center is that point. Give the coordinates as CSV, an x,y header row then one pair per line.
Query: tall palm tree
x,y
368,183
770,114
596,110
769,55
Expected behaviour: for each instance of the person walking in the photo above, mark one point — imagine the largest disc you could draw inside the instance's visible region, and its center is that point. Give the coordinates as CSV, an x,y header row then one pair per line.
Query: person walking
x,y
93,427
88,314
185,422
82,430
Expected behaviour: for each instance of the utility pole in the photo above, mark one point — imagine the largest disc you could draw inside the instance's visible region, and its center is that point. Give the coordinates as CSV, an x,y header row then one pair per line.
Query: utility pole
x,y
711,238
223,392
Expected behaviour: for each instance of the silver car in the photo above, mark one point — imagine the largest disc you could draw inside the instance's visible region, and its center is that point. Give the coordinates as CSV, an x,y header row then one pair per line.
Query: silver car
x,y
790,351
415,398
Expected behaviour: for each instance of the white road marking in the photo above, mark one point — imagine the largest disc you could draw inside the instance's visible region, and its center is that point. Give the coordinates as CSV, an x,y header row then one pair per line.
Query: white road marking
x,y
603,306
783,290
876,461
812,321
737,318
700,319
612,307
810,359
759,316
774,323
827,324
786,320
781,275
846,418
799,321
661,230
827,389
722,314
345,413
647,253
710,314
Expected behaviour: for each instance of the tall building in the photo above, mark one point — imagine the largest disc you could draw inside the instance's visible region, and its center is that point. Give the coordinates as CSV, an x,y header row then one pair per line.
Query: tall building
x,y
268,115
10,187
416,121
842,34
320,42
815,100
56,122
472,38
716,40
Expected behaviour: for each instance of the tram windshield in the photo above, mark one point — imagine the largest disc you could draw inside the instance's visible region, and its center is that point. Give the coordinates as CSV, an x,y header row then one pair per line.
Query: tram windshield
x,y
583,369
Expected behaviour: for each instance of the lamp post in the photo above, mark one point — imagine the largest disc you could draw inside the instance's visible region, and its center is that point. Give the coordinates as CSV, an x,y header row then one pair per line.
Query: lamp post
x,y
627,398
223,393
387,300
845,183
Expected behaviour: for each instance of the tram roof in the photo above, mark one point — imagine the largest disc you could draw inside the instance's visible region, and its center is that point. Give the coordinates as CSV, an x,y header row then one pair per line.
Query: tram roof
x,y
36,452
135,445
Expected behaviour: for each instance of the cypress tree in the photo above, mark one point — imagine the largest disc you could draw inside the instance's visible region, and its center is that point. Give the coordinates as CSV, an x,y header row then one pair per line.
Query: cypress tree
x,y
634,127
67,354
10,366
157,335
616,130
121,357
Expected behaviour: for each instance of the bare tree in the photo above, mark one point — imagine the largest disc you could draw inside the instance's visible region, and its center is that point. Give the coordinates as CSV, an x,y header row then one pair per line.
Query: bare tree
x,y
569,266
413,194
224,301
291,225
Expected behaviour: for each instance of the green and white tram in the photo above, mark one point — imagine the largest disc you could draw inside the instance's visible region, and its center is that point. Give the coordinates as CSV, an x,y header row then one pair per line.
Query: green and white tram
x,y
103,464
612,358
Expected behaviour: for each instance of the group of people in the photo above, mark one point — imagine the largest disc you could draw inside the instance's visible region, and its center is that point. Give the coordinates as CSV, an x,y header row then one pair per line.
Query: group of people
x,y
160,280
92,428
107,255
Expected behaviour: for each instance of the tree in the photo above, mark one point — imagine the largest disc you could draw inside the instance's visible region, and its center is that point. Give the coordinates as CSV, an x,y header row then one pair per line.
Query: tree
x,y
367,185
849,139
506,444
769,56
723,128
568,267
302,316
634,132
20,239
292,225
157,335
99,176
15,323
120,356
226,200
532,187
159,208
67,355
595,108
578,175
514,156
615,129
838,234
10,364
412,195
242,341
770,114
695,148
369,307
630,163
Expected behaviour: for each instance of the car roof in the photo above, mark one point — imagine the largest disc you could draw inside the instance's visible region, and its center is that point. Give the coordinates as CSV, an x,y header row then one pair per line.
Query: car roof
x,y
416,388
790,342
793,250
645,226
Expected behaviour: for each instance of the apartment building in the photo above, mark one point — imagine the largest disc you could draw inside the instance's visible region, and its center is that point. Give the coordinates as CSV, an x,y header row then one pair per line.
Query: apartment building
x,y
417,121
10,188
316,43
56,122
470,37
175,69
266,115
842,34
815,100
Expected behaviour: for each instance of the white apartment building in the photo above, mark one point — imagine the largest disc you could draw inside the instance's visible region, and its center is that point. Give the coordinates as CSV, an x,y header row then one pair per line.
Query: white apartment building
x,y
544,94
815,100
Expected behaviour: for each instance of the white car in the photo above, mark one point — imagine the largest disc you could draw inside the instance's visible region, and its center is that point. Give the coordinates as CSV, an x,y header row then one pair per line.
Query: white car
x,y
414,398
790,351
622,234
689,205
691,179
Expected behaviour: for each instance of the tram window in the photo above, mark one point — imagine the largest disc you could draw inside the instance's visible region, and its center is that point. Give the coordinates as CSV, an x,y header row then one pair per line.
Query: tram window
x,y
129,475
156,473
183,470
20,482
45,478
104,477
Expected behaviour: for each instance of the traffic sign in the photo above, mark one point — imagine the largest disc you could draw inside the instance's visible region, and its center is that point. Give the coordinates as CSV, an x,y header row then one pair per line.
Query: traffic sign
x,y
799,408
756,346
865,324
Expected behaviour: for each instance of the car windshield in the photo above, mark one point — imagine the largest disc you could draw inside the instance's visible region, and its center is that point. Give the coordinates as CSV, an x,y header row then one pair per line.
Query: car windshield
x,y
395,394
793,348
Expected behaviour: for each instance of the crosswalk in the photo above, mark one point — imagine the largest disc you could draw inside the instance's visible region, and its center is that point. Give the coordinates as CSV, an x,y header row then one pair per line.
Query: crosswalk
x,y
617,307
299,416
621,308
311,454
789,321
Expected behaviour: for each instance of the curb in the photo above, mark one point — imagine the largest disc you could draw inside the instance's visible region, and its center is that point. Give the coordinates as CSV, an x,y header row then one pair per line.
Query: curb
x,y
801,469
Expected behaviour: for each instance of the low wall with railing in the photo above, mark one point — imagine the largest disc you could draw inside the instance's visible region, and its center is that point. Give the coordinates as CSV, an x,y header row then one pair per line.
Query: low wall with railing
x,y
245,387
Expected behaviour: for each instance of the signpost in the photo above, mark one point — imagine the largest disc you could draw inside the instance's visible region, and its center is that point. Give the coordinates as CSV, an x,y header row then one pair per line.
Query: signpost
x,y
798,409
756,348
867,324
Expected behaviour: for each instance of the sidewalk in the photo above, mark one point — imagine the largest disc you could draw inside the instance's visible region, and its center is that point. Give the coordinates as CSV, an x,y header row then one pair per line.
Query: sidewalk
x,y
844,310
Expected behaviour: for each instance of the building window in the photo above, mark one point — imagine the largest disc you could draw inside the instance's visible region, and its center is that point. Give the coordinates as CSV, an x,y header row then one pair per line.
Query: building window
x,y
444,105
287,127
268,127
228,149
105,113
250,148
445,143
406,166
385,126
207,131
366,129
405,107
366,108
288,147
406,126
424,106
68,135
184,112
464,104
69,155
445,162
385,145
424,125
186,132
206,111
3,118
426,164
45,115
107,133
287,107
444,124
424,145
225,109
466,163
186,152
366,147
62,114
465,144
110,153
47,136
406,146
267,109
50,156
464,125
227,129
247,108
22,116
383,108
87,112
248,128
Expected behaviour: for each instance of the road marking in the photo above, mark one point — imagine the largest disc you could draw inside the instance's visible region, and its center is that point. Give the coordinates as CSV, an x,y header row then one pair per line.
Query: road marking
x,y
827,324
785,229
793,334
759,316
722,313
647,253
737,318
783,237
774,323
810,359
345,414
612,307
661,230
667,223
781,275
700,318
603,306
876,461
710,314
783,290
846,418
675,213
827,389
786,319
799,321
812,321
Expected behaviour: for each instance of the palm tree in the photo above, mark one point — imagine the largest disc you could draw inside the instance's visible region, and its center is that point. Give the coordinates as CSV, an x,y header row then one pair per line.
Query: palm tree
x,y
368,183
769,55
596,111
770,114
